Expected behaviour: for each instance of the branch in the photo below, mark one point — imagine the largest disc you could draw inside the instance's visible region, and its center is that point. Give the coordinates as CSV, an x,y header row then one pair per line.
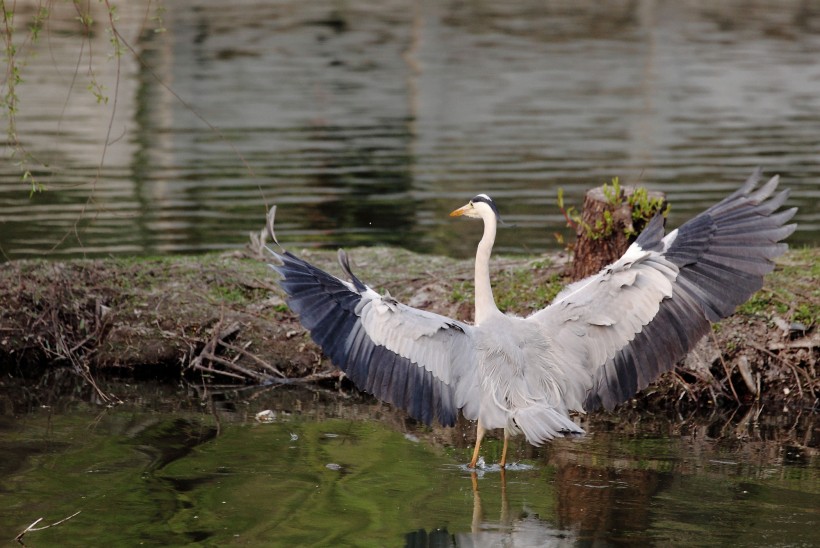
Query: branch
x,y
31,528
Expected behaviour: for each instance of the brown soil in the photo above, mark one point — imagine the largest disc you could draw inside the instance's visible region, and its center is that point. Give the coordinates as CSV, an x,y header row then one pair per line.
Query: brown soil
x,y
222,319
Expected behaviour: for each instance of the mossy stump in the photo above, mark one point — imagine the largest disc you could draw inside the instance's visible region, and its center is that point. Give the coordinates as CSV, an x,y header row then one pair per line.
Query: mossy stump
x,y
607,229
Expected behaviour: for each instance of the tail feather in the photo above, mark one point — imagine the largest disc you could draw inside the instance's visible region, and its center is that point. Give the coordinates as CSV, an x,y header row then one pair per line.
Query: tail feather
x,y
540,423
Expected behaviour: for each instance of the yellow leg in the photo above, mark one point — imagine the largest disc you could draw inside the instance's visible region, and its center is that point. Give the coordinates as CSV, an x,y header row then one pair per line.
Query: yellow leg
x,y
504,451
479,434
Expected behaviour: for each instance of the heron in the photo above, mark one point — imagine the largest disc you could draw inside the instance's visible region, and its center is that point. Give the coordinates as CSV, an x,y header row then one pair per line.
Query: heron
x,y
600,341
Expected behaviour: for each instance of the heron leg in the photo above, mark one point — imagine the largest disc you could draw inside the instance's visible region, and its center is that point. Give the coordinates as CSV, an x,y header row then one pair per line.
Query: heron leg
x,y
503,462
479,435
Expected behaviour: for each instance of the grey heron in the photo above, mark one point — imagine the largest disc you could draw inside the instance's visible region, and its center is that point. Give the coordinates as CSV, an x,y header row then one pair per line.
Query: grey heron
x,y
599,342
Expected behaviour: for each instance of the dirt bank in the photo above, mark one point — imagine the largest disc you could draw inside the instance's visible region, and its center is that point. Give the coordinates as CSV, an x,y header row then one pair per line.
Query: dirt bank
x,y
222,318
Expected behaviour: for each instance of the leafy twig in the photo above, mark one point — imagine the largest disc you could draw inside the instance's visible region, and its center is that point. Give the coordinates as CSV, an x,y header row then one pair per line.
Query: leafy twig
x,y
642,206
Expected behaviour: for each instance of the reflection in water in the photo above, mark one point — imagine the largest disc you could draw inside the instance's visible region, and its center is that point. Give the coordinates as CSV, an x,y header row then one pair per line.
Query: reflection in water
x,y
172,469
625,494
165,442
367,123
521,529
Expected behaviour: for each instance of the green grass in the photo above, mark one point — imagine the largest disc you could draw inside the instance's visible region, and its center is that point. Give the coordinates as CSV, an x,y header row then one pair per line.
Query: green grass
x,y
523,291
792,291
519,291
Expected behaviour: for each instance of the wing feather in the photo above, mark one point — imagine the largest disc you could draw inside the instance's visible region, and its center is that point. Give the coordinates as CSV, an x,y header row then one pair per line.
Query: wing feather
x,y
591,320
722,255
413,359
637,317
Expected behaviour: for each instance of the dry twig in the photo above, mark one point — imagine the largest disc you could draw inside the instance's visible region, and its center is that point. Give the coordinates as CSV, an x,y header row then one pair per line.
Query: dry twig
x,y
726,369
31,528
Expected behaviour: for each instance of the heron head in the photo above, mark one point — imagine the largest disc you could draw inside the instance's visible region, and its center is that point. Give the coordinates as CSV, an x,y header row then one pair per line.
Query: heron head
x,y
477,208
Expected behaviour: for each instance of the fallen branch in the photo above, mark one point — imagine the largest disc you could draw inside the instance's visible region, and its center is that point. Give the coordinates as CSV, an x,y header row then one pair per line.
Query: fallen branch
x,y
236,367
218,335
808,344
685,386
31,528
217,371
255,358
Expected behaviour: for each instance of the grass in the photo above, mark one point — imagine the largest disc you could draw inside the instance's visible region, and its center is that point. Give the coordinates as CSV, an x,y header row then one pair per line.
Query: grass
x,y
523,291
517,290
792,291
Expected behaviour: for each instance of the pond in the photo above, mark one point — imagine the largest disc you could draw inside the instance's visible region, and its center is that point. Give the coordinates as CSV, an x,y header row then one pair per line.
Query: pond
x,y
368,122
180,465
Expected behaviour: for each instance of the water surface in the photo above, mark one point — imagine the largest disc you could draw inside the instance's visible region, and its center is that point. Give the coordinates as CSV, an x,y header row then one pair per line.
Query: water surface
x,y
368,122
173,466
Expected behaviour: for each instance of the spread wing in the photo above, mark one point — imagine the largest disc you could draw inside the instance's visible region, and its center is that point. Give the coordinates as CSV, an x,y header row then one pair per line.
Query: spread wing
x,y
634,320
416,360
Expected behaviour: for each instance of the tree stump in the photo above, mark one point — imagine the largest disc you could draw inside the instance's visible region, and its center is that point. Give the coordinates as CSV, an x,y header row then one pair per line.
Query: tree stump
x,y
601,240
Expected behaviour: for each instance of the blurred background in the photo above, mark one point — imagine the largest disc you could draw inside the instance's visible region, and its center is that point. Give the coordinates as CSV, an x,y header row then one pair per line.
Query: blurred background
x,y
367,122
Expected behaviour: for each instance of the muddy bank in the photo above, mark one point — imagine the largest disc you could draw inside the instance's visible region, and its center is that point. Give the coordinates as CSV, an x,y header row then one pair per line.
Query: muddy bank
x,y
222,319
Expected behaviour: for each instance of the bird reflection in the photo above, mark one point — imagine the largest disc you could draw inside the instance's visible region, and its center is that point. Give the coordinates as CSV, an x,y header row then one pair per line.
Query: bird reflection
x,y
525,529
522,530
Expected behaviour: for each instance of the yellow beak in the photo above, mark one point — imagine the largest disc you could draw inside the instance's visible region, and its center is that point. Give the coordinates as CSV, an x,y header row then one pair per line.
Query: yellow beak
x,y
460,211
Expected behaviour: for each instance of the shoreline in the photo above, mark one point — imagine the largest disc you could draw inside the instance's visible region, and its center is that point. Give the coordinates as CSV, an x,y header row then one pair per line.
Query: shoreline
x,y
222,319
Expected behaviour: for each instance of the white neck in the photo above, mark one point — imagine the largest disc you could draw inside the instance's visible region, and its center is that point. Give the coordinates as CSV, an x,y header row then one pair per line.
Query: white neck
x,y
484,302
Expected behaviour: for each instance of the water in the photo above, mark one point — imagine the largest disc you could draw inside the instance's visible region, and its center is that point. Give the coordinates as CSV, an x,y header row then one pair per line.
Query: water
x,y
177,466
367,122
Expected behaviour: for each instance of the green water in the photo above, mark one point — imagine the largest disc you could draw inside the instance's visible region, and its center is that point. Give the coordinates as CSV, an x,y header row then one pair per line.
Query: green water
x,y
177,467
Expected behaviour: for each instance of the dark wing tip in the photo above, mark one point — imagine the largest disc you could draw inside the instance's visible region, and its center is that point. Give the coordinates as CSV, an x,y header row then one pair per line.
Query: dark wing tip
x,y
651,236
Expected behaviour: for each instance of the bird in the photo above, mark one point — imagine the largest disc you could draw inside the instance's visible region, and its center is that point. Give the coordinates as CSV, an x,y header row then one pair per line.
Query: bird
x,y
600,341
